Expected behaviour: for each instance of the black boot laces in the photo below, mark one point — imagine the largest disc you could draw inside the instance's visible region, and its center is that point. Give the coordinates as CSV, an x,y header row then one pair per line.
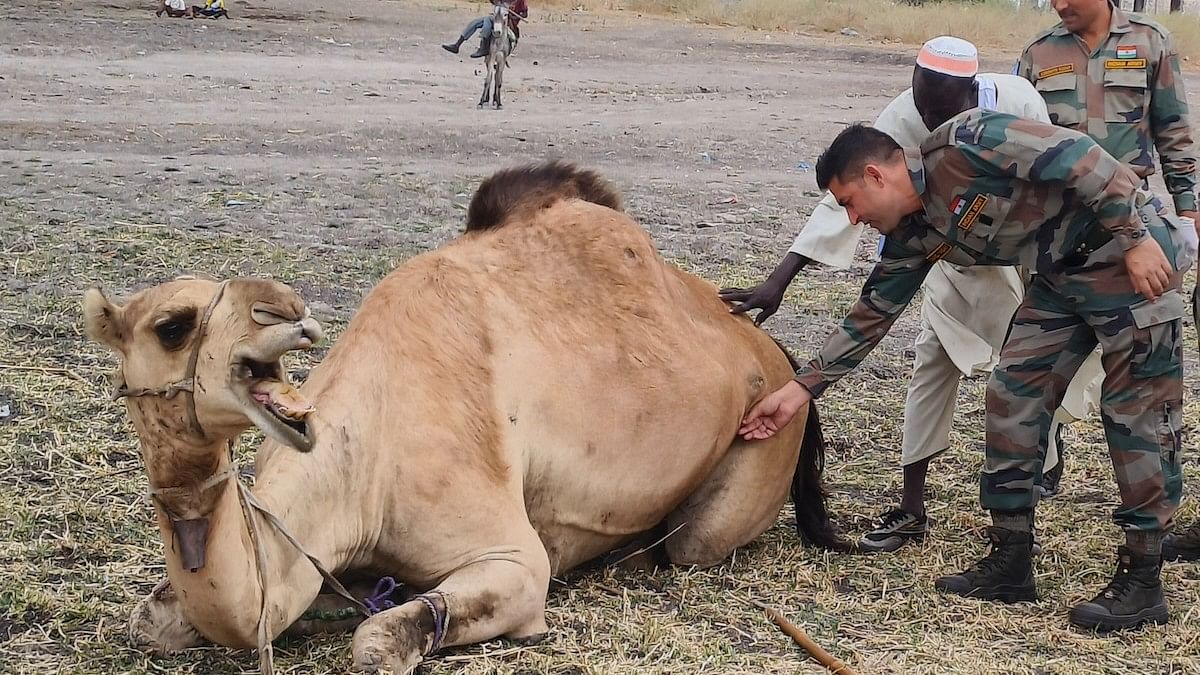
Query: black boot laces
x,y
993,562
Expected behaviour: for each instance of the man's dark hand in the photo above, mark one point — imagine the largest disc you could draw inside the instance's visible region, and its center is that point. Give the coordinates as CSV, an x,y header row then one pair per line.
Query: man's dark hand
x,y
766,297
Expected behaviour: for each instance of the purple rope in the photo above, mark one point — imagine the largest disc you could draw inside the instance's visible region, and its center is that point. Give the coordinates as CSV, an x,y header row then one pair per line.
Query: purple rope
x,y
440,621
379,600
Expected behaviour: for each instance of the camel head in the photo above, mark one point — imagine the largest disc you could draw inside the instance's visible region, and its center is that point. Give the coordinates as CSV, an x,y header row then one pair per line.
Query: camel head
x,y
200,361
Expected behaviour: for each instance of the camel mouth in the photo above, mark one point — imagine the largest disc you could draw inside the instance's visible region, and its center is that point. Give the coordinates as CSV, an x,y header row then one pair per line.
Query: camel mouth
x,y
261,370
274,403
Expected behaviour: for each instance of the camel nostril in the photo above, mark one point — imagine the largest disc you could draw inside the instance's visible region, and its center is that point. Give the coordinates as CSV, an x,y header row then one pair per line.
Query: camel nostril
x,y
311,330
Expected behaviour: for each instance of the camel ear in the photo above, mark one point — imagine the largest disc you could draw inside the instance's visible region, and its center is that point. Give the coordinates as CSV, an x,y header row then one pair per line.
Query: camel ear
x,y
104,321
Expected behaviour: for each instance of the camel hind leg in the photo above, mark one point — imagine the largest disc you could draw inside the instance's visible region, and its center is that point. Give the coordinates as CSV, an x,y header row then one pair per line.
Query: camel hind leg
x,y
741,498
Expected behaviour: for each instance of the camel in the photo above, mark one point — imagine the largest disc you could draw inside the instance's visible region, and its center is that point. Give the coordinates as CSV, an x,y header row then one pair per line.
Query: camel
x,y
536,394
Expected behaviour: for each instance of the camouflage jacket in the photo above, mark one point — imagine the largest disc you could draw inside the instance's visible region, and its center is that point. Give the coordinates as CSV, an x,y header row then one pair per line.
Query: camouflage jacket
x,y
996,190
1128,95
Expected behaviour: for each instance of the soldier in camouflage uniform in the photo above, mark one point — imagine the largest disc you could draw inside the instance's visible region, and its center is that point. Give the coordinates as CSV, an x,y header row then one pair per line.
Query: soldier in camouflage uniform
x,y
1116,78
993,189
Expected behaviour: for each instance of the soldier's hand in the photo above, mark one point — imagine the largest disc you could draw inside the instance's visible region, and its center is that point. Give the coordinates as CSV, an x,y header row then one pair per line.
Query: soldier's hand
x,y
774,412
1148,268
766,297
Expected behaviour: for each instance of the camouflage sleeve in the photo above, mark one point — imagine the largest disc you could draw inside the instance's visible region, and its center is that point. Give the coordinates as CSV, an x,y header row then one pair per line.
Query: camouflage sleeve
x,y
1040,152
890,288
1170,125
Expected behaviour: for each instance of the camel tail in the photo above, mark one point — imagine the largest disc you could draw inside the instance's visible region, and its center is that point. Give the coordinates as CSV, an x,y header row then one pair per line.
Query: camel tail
x,y
808,492
539,186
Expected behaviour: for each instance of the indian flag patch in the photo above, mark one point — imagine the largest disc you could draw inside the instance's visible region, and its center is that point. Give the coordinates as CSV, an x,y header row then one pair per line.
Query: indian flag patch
x,y
1127,52
957,205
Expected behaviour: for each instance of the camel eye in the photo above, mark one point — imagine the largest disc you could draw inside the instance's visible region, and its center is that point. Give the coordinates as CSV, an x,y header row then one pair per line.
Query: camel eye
x,y
173,332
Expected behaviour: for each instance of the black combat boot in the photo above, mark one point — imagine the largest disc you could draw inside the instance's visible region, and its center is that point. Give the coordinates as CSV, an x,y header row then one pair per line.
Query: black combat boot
x,y
1005,574
453,48
1134,596
1182,546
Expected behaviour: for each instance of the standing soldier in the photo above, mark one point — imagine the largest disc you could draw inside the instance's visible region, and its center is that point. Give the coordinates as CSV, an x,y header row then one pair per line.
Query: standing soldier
x,y
1116,78
993,189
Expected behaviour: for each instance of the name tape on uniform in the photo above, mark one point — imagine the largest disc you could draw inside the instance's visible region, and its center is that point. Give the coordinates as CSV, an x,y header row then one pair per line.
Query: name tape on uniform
x,y
1125,64
1056,70
972,214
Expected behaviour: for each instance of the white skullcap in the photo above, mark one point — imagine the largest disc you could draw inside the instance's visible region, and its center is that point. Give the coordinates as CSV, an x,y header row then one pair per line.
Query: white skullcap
x,y
950,56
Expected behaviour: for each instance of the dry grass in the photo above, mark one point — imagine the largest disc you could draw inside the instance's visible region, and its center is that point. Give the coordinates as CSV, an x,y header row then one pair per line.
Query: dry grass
x,y
78,549
994,24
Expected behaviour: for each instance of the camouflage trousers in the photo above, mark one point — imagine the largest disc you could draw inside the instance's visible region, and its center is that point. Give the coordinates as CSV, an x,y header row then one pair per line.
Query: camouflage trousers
x,y
1062,318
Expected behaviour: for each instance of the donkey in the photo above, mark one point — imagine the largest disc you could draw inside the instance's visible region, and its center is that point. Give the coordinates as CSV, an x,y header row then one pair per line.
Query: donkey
x,y
497,57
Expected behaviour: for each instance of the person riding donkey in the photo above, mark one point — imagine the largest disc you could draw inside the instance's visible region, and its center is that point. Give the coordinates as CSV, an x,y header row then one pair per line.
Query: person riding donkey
x,y
517,10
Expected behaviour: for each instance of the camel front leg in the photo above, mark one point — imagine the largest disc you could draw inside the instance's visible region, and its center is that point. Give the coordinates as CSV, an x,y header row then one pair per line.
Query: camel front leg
x,y
501,594
158,624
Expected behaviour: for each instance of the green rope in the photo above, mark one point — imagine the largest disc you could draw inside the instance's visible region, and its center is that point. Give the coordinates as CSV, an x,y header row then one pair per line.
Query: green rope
x,y
330,615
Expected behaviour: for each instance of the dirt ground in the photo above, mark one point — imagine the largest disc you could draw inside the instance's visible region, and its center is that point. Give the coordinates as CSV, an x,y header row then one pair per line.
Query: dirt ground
x,y
323,143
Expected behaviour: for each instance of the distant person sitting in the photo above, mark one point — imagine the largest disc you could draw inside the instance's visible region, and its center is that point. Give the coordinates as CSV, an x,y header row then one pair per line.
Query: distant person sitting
x,y
175,9
517,10
212,9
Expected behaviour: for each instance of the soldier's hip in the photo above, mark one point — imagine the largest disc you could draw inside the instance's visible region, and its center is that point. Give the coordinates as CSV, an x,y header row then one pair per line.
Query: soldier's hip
x,y
1097,245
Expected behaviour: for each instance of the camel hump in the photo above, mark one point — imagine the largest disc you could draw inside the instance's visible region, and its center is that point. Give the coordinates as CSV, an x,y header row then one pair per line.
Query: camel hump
x,y
536,186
